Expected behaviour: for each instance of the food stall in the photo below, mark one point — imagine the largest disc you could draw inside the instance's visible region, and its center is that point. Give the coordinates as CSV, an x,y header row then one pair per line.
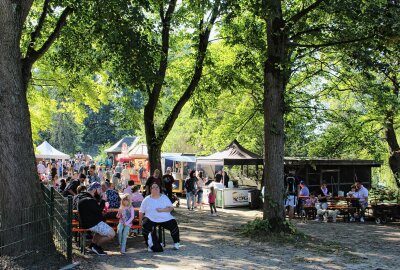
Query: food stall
x,y
234,154
181,164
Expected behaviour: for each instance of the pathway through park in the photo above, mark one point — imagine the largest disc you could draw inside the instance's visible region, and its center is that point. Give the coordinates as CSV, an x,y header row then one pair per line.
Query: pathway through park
x,y
214,243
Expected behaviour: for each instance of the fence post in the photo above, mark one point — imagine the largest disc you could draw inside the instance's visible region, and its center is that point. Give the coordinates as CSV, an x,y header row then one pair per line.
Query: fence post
x,y
51,208
69,229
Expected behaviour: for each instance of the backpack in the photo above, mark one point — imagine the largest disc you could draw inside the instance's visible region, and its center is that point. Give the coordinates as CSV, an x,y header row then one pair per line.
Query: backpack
x,y
189,185
154,242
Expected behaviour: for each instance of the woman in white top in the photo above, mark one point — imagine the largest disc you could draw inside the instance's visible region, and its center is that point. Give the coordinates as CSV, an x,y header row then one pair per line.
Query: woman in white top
x,y
156,210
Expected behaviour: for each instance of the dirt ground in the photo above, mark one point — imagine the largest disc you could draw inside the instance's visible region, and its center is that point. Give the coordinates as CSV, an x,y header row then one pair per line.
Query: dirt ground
x,y
214,243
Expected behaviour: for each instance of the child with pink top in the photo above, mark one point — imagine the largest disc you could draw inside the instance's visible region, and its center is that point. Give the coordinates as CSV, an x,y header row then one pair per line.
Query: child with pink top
x,y
211,201
126,214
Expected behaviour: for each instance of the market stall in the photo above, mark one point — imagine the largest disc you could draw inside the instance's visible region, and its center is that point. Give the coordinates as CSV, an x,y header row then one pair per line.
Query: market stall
x,y
181,164
46,151
234,154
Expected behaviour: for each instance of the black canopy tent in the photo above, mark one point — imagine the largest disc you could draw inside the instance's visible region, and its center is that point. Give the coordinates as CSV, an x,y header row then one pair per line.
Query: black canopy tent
x,y
234,154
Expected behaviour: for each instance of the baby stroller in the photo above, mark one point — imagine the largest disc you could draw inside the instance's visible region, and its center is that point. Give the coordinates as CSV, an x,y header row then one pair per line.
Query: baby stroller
x,y
174,198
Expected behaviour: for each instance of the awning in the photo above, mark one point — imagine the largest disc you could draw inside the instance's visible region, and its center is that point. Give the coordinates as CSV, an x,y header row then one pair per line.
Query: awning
x,y
45,150
234,154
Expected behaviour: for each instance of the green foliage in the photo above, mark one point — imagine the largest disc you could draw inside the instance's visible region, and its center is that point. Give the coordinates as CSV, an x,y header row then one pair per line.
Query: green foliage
x,y
256,227
266,230
384,194
101,154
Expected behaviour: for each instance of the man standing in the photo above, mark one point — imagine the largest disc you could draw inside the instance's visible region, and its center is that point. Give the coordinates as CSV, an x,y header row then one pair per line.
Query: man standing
x,y
91,217
118,169
125,177
291,192
92,177
362,195
304,193
168,180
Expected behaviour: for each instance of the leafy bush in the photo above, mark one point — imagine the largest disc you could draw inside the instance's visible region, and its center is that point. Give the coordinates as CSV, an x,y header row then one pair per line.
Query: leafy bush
x,y
256,227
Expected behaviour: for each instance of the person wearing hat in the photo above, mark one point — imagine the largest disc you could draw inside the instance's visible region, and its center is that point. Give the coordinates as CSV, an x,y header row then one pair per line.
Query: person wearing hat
x,y
304,191
91,218
304,194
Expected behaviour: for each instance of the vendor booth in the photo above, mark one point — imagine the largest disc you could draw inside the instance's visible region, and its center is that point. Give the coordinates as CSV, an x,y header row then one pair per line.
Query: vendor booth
x,y
181,164
234,154
115,152
139,157
46,151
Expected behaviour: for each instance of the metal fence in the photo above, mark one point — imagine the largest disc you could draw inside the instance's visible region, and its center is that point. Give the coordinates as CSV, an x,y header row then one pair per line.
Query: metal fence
x,y
42,226
60,218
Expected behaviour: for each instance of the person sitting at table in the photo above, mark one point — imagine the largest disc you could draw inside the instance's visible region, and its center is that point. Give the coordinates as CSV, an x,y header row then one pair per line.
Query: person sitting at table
x,y
323,196
137,197
156,210
113,199
91,218
128,189
362,195
311,201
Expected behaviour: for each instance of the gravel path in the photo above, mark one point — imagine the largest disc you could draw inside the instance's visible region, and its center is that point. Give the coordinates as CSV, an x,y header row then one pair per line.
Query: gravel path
x,y
214,243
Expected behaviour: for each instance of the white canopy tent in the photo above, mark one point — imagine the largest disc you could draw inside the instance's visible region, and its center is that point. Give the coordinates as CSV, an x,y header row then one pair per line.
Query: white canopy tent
x,y
45,150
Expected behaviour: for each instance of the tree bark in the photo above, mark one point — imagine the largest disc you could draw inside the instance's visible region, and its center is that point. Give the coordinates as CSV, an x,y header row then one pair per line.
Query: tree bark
x,y
391,138
18,177
274,89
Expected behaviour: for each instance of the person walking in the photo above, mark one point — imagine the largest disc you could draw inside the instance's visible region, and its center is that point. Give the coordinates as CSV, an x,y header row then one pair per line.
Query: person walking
x,y
190,187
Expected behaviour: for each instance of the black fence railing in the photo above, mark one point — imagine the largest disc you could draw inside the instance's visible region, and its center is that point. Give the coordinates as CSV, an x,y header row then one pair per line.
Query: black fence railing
x,y
60,218
38,229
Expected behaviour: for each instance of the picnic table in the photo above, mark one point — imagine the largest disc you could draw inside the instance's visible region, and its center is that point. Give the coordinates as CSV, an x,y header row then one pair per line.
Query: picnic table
x,y
345,205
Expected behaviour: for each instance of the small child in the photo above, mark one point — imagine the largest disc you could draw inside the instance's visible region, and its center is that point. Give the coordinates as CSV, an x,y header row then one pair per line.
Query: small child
x,y
310,202
137,197
211,201
126,214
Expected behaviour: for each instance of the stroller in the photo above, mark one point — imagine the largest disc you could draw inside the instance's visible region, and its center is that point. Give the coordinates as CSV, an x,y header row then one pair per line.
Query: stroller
x,y
174,198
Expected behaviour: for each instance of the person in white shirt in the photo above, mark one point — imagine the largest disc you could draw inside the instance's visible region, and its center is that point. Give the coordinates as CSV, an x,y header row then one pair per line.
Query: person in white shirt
x,y
362,195
41,168
156,210
217,183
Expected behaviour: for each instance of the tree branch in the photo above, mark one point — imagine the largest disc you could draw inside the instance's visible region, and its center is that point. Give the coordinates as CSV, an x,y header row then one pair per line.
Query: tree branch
x,y
201,53
62,20
328,44
305,11
35,34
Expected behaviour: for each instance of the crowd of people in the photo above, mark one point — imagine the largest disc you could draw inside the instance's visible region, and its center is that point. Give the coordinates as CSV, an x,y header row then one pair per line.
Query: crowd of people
x,y
101,194
299,197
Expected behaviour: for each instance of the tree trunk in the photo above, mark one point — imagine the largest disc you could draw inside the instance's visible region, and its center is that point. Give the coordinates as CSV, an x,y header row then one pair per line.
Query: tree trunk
x,y
391,139
394,150
18,177
274,89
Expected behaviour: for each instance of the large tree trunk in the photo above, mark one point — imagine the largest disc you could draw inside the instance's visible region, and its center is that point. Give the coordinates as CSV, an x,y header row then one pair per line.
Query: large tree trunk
x,y
20,186
391,139
274,89
394,151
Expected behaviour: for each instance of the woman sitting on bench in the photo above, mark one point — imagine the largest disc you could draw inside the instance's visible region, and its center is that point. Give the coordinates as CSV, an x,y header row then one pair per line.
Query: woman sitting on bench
x,y
157,210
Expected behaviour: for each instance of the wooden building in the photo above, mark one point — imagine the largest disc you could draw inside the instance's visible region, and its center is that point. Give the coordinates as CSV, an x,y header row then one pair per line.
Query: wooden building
x,y
337,173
